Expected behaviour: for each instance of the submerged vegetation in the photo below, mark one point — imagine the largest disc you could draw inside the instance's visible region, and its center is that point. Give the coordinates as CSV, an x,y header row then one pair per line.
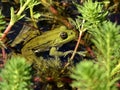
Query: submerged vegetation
x,y
59,45
16,75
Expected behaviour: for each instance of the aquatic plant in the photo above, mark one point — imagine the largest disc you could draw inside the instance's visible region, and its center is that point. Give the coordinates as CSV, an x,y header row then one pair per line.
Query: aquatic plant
x,y
16,75
102,72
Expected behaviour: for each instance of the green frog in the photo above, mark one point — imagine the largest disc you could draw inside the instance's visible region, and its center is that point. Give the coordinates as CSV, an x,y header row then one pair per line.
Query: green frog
x,y
49,40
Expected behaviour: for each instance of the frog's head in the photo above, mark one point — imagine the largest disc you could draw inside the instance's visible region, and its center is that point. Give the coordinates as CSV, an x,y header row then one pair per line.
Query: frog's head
x,y
64,35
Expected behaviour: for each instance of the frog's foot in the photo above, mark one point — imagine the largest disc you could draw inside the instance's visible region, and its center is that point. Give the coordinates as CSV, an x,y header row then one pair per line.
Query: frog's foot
x,y
55,53
81,53
68,52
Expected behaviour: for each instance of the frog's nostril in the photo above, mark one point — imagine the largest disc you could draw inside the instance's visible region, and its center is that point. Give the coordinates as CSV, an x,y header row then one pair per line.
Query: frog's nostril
x,y
71,33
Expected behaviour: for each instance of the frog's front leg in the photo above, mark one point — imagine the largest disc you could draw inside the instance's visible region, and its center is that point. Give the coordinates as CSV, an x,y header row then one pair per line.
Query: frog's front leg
x,y
55,53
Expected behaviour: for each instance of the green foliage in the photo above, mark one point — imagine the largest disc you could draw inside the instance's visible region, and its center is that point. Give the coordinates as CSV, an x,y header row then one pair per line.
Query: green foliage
x,y
33,3
50,71
105,72
23,6
107,41
16,75
92,13
106,38
89,76
2,22
102,73
2,27
47,67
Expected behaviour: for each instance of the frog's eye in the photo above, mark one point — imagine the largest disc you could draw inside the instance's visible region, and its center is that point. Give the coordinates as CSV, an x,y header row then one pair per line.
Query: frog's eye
x,y
63,35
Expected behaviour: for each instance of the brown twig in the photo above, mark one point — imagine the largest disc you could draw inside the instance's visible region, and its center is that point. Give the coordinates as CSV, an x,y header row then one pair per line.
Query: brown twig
x,y
4,55
6,32
60,18
2,38
77,45
56,13
82,29
74,52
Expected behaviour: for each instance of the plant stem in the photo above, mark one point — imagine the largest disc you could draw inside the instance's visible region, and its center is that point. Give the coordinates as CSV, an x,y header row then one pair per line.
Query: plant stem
x,y
81,30
32,17
3,36
23,7
76,47
12,21
4,55
6,31
56,13
74,52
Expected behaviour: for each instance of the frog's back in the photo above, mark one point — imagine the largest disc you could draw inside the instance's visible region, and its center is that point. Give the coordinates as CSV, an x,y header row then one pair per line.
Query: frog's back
x,y
56,37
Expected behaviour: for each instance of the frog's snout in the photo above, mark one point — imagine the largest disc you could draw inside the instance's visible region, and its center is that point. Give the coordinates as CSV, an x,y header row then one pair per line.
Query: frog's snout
x,y
73,33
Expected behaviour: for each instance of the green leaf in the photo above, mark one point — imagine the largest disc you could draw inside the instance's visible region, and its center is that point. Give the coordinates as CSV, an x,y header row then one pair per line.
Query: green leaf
x,y
2,22
86,73
92,12
16,75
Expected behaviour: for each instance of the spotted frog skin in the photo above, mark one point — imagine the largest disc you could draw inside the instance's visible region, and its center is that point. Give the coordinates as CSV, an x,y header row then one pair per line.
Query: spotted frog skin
x,y
49,40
